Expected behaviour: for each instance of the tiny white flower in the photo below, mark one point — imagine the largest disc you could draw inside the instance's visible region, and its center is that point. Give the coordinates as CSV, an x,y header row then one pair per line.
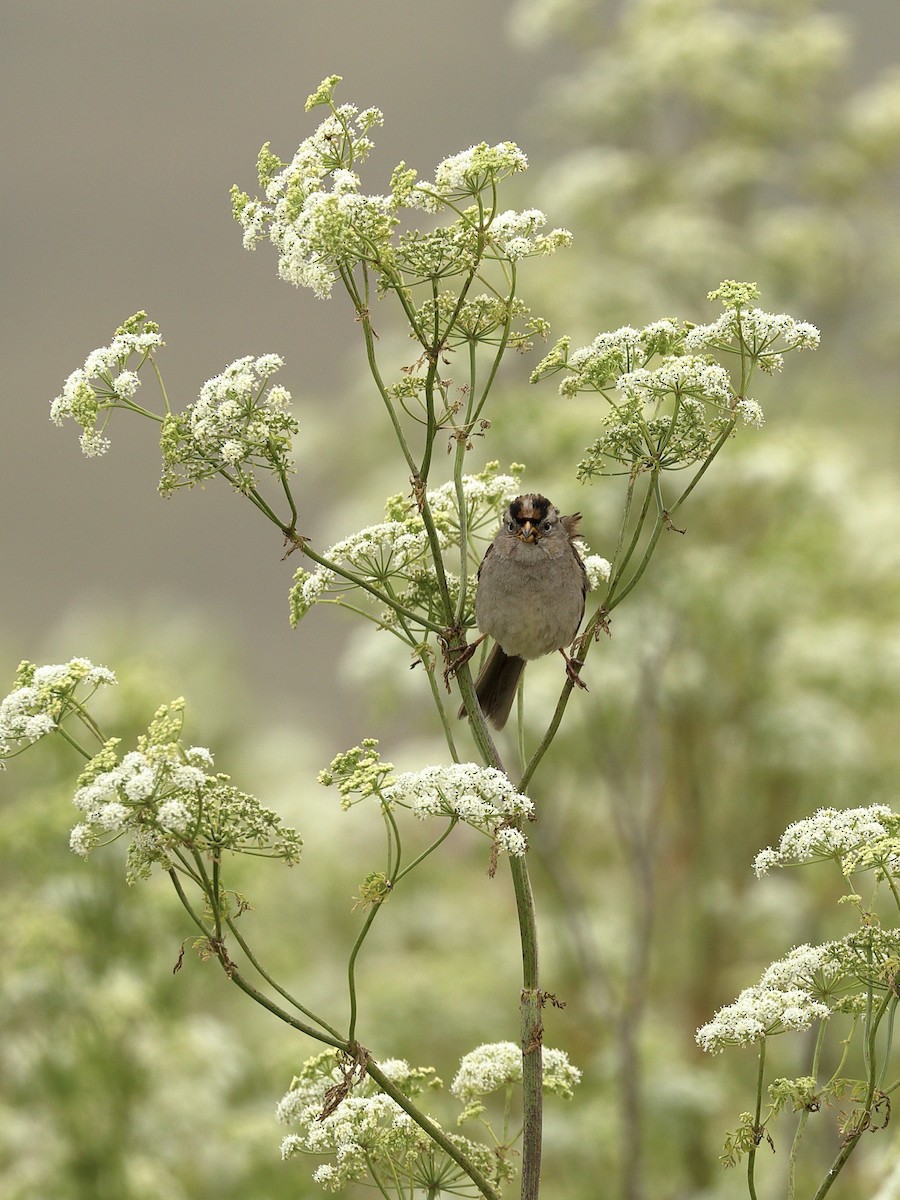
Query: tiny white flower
x,y
512,841
36,726
126,384
751,412
597,569
173,814
81,840
111,816
140,785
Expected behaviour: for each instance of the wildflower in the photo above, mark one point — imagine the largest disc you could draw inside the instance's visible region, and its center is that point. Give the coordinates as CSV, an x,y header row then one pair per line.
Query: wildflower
x,y
497,1065
43,697
104,383
237,424
365,1130
482,797
760,1012
830,833
163,796
597,569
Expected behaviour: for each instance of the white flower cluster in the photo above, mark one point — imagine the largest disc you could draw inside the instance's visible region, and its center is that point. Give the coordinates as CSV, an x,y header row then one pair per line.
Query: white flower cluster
x,y
682,375
366,1129
337,227
615,353
467,172
116,799
376,553
760,1012
314,213
596,567
385,548
487,491
830,833
515,234
813,968
42,698
235,418
496,1065
235,425
767,336
104,383
360,1127
482,797
164,796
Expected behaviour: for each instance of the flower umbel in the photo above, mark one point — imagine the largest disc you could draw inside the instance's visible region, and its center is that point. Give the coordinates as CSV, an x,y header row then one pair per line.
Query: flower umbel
x,y
496,1065
238,424
341,1115
164,795
482,797
103,383
324,226
831,833
670,402
43,698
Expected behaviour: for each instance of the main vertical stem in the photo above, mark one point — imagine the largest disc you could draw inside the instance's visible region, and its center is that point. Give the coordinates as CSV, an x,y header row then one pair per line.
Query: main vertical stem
x,y
532,1033
531,1023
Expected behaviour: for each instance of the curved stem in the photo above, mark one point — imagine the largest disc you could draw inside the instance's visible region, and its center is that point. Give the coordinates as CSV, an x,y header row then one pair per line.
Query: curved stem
x,y
351,969
454,821
274,984
67,737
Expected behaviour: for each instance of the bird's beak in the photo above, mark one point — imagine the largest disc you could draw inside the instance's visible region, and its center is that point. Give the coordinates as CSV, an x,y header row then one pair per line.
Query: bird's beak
x,y
529,532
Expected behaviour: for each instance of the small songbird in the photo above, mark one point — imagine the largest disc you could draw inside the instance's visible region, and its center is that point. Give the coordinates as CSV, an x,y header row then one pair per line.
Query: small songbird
x,y
530,599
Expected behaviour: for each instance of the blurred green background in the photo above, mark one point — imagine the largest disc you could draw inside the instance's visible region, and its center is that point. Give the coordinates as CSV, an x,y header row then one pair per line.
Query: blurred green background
x,y
752,678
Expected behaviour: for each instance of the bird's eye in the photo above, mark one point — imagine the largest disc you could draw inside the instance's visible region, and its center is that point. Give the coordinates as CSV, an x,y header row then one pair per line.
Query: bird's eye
x,y
548,525
511,526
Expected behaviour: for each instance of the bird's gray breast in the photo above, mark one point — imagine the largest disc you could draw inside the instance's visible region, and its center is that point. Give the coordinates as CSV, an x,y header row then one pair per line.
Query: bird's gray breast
x,y
531,598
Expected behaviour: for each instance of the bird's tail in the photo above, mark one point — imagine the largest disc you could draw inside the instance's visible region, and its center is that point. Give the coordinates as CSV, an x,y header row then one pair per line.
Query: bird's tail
x,y
496,686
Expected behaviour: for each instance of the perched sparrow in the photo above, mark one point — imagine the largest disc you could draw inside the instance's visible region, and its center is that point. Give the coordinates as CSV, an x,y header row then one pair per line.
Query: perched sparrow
x,y
530,599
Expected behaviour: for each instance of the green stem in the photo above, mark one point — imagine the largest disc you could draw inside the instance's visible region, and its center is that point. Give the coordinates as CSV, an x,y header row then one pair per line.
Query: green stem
x,y
162,386
424,1122
531,1032
351,969
658,527
520,724
434,1131
236,978
376,1179
275,985
704,466
441,708
67,737
263,1000
362,313
458,462
804,1116
757,1127
489,754
430,850
550,734
852,1136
